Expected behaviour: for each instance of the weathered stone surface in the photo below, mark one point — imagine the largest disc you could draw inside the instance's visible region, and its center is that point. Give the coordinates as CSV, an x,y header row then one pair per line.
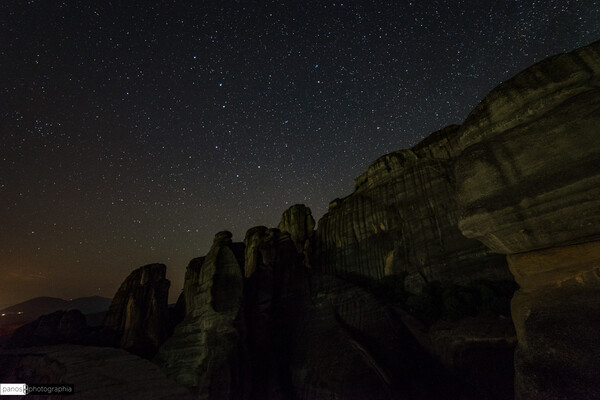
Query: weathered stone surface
x,y
403,219
530,178
299,223
537,91
529,187
557,317
138,314
97,373
57,327
202,353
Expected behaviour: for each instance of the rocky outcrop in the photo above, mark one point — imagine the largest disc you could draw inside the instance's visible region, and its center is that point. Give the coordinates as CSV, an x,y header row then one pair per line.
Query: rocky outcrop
x,y
138,315
300,224
402,219
57,327
97,373
202,354
528,186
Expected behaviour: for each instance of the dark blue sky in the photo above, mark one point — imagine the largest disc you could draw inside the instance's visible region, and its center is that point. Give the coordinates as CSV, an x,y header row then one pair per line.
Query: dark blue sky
x,y
131,132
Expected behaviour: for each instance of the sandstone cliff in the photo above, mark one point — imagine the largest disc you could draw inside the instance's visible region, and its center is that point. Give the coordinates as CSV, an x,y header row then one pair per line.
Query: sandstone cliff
x,y
402,219
528,186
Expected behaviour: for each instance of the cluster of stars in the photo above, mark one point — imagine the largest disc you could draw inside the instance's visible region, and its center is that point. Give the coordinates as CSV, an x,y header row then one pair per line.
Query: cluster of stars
x,y
132,132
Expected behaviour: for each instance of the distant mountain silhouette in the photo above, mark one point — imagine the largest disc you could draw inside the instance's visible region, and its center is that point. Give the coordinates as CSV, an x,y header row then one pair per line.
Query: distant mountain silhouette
x,y
31,309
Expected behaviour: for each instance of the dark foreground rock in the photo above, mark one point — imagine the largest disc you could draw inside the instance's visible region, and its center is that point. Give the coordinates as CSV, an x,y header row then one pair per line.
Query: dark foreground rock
x,y
98,373
55,328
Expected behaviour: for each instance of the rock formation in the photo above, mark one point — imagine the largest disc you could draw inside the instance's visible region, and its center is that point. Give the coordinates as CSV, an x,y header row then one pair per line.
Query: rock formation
x,y
138,315
402,220
402,292
280,330
202,353
529,187
300,224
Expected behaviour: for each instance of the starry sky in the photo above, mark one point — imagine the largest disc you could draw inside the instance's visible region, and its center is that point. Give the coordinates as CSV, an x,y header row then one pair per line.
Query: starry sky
x,y
132,131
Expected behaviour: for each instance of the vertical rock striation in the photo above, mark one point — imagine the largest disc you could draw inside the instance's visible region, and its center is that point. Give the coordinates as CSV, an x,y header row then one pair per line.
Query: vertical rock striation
x,y
402,219
529,187
202,354
138,315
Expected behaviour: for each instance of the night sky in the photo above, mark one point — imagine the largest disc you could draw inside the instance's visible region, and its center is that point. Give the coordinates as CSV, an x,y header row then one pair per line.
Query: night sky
x,y
132,132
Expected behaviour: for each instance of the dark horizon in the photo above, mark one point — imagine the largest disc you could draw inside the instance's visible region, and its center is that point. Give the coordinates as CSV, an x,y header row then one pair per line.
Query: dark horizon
x,y
133,133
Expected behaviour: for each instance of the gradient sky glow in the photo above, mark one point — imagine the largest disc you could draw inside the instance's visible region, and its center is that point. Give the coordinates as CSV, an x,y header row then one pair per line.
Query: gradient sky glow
x,y
132,133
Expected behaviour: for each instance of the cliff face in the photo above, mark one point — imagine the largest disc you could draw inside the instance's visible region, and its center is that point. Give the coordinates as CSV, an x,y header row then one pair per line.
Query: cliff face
x,y
529,187
138,315
402,219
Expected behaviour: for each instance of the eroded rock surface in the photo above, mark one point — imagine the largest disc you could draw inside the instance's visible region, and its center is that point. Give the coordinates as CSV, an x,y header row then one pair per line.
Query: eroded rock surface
x,y
530,178
202,353
402,219
299,223
529,187
138,315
